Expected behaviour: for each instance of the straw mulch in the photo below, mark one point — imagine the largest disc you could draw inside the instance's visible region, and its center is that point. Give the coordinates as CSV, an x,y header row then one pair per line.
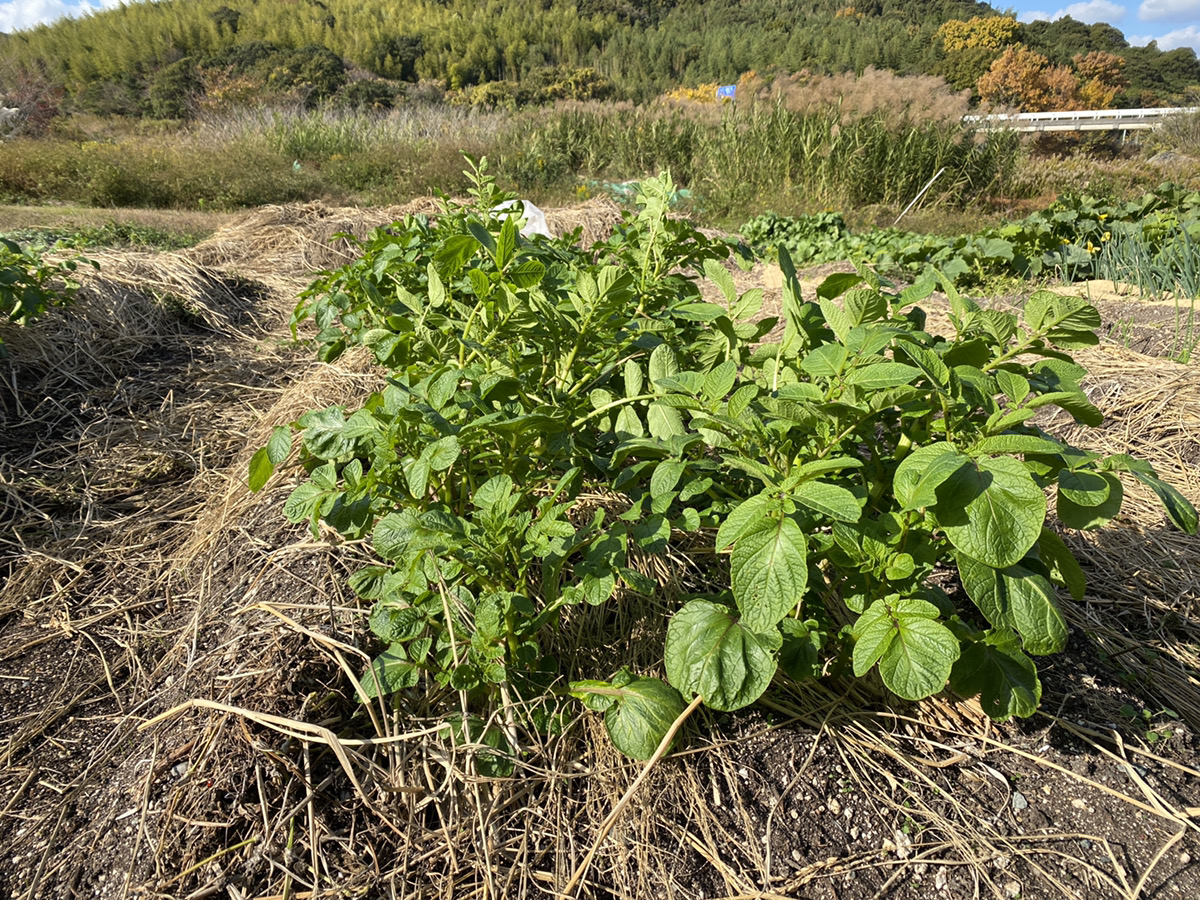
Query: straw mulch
x,y
282,246
1143,603
177,712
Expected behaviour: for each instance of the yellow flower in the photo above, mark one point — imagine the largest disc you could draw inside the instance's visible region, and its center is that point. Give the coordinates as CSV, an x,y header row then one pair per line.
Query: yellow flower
x,y
1106,236
1091,248
1103,216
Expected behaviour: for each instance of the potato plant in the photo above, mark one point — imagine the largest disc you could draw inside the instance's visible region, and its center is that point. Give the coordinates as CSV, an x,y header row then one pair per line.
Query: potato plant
x,y
27,283
835,471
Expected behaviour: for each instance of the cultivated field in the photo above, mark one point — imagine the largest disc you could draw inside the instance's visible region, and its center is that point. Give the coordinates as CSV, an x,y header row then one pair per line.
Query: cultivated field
x,y
178,663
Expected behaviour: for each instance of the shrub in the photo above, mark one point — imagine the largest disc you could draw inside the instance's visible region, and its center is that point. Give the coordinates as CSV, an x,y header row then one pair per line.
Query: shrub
x,y
315,71
375,170
39,169
1179,133
173,89
368,94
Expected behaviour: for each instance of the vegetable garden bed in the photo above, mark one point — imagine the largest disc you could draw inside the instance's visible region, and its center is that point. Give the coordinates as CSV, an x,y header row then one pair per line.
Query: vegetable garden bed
x,y
177,662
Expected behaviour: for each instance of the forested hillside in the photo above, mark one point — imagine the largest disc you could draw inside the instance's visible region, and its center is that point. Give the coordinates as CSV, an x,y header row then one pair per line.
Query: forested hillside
x,y
164,59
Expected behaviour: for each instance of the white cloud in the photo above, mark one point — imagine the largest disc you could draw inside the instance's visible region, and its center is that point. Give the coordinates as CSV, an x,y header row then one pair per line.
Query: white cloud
x,y
1094,11
1089,12
1170,11
18,14
1172,40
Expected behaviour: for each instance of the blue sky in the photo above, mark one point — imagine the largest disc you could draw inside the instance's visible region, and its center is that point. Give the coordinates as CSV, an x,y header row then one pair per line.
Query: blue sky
x,y
16,14
1173,23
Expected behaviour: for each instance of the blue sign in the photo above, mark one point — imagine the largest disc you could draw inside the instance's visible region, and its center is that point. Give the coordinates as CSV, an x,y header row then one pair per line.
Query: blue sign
x,y
726,91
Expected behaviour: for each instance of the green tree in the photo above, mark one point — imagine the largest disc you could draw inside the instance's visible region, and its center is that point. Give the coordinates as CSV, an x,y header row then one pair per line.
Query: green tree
x,y
315,71
963,68
368,94
396,56
226,18
173,89
990,32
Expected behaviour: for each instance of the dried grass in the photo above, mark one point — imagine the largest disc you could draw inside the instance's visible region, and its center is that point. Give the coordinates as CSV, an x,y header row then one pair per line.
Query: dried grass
x,y
595,219
1143,602
904,98
1044,179
283,246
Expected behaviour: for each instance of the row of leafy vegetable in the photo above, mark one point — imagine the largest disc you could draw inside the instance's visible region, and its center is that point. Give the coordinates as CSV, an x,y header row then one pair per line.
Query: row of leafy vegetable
x,y
1153,241
819,479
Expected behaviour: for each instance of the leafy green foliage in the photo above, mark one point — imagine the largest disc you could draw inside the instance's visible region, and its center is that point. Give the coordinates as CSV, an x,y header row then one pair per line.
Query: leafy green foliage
x,y
1150,241
29,285
637,711
837,468
109,234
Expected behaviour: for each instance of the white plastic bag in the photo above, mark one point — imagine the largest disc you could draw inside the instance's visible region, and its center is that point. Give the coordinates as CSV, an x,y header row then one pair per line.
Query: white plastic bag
x,y
533,220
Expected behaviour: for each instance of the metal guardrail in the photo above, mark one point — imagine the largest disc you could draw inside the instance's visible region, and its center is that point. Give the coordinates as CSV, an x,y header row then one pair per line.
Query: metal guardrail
x,y
1080,120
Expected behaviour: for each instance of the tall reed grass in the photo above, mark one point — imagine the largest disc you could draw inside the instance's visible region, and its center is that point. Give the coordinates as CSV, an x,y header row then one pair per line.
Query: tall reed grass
x,y
255,156
149,172
773,153
764,154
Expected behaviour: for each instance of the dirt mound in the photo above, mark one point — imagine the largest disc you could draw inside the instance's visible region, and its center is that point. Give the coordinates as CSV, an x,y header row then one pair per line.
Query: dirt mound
x,y
177,663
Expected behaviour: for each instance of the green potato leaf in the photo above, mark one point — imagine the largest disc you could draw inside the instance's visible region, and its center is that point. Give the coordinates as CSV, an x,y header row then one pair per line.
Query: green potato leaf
x,y
743,518
800,656
1016,597
882,375
1014,386
920,474
323,434
769,572
261,470
1088,499
638,712
396,624
710,654
1000,672
666,476
1064,568
441,454
914,651
389,672
720,381
828,499
992,510
1179,510
1016,443
664,421
279,444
